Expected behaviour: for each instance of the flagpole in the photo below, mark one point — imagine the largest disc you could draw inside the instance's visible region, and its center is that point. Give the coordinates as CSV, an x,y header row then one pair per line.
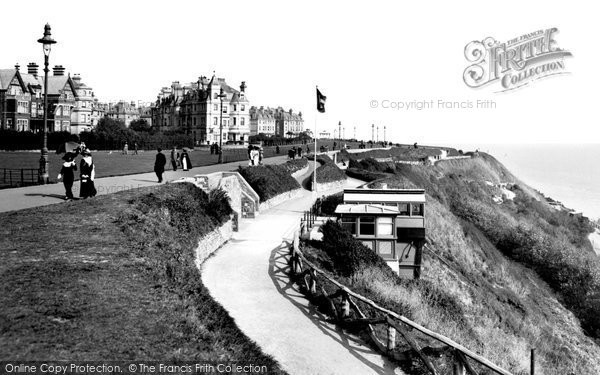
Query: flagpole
x,y
315,165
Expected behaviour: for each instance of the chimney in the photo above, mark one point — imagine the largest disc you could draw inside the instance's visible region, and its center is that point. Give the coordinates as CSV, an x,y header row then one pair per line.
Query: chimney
x,y
17,66
32,68
76,78
243,86
58,70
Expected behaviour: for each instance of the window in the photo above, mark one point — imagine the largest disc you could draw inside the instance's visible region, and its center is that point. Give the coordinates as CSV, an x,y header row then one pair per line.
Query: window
x,y
234,107
225,109
243,108
417,209
367,225
242,121
349,223
215,121
234,121
385,226
385,248
216,107
216,95
403,209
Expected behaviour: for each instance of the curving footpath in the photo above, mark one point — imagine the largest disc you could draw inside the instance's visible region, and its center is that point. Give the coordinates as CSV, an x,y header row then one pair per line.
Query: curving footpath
x,y
248,276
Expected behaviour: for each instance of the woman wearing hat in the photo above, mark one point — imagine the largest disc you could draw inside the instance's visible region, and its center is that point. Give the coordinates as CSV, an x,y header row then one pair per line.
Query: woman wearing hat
x,y
67,173
87,175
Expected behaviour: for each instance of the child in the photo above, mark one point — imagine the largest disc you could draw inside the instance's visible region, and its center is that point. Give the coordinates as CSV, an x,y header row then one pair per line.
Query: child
x,y
67,174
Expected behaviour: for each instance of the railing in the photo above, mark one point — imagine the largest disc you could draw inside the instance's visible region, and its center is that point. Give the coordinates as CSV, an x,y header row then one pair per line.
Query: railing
x,y
19,177
307,272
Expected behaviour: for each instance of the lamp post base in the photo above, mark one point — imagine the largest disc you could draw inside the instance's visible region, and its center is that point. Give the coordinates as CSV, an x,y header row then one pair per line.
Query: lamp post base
x,y
44,177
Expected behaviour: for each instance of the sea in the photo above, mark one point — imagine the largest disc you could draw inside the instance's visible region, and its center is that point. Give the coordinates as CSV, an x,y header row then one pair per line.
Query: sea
x,y
568,173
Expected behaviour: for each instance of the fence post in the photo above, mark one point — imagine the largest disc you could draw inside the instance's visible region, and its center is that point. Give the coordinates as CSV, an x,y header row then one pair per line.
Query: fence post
x,y
532,362
391,338
22,177
313,282
458,368
345,306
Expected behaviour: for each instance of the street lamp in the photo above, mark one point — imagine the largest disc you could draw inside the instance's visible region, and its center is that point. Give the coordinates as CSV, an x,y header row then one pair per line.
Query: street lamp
x,y
47,43
221,96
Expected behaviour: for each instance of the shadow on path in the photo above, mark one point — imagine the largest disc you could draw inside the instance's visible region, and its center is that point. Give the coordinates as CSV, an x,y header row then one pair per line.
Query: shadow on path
x,y
278,272
59,196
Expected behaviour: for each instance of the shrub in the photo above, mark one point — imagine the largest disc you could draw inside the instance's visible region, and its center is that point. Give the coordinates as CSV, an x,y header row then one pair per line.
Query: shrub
x,y
330,203
348,254
327,172
292,166
269,180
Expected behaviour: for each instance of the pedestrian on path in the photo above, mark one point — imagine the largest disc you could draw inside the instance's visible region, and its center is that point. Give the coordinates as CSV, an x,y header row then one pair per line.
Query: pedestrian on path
x,y
125,149
135,148
186,164
159,164
87,175
174,157
67,173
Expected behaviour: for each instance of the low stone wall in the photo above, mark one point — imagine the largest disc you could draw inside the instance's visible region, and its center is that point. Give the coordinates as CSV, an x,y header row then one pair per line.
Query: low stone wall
x,y
278,199
212,241
337,185
301,172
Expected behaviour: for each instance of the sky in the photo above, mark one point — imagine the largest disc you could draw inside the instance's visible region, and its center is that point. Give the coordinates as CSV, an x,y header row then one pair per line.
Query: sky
x,y
362,55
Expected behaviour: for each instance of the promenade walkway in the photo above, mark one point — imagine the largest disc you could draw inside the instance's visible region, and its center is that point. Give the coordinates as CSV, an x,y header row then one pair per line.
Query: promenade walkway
x,y
248,276
41,195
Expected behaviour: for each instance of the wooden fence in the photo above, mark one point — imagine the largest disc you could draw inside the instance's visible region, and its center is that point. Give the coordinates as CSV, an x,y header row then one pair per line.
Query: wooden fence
x,y
307,273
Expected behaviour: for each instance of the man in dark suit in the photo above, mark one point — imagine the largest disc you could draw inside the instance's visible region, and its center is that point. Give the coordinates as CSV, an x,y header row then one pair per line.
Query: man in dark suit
x,y
159,164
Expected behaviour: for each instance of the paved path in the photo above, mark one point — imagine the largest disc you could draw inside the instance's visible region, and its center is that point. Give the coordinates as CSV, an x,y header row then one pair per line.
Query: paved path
x,y
248,276
41,195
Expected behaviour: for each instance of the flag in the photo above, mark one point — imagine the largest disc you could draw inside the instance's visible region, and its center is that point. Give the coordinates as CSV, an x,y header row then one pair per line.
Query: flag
x,y
321,101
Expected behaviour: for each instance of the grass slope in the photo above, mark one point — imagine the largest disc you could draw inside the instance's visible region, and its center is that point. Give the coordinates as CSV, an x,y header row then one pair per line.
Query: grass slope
x,y
497,278
113,278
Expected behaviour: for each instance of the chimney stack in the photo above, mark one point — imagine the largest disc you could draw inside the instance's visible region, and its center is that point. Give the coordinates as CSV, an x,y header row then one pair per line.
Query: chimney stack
x,y
32,68
243,86
58,70
17,66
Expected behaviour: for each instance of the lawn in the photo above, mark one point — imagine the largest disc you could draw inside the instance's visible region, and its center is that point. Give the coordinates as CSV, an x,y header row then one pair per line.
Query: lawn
x,y
113,278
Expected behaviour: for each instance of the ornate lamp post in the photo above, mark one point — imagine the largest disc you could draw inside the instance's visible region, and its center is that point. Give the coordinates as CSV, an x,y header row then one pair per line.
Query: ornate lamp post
x,y
47,43
221,96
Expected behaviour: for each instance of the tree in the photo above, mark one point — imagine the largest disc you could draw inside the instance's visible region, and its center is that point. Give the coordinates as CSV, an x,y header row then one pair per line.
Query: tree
x,y
140,125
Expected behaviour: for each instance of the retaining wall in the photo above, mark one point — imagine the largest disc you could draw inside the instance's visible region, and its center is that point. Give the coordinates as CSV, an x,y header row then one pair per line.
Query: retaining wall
x,y
212,241
278,199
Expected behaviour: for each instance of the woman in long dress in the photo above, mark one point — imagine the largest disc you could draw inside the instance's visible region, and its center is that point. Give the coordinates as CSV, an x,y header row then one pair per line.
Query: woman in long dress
x,y
185,160
87,176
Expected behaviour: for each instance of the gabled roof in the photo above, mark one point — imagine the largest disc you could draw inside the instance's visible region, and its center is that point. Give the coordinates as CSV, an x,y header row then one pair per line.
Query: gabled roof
x,y
6,77
57,83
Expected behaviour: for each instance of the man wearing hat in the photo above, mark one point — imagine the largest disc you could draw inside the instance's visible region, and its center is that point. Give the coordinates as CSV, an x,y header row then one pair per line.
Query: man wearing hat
x,y
67,173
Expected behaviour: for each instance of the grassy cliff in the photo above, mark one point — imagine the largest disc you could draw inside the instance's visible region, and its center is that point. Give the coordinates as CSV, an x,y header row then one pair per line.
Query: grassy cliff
x,y
114,278
500,276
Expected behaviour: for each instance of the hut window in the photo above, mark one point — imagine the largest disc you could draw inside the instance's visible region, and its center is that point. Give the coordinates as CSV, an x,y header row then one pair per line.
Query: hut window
x,y
403,209
367,226
384,226
417,209
349,223
385,248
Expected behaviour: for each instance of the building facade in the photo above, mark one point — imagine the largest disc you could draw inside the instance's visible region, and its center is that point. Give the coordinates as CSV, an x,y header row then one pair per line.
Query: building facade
x,y
197,110
81,116
262,121
289,124
123,111
15,100
22,101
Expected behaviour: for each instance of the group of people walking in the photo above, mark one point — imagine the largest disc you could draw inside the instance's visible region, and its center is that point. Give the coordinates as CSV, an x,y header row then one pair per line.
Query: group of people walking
x,y
87,174
181,160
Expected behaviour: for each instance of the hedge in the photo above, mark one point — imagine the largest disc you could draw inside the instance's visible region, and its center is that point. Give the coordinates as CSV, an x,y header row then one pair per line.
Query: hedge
x,y
269,180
